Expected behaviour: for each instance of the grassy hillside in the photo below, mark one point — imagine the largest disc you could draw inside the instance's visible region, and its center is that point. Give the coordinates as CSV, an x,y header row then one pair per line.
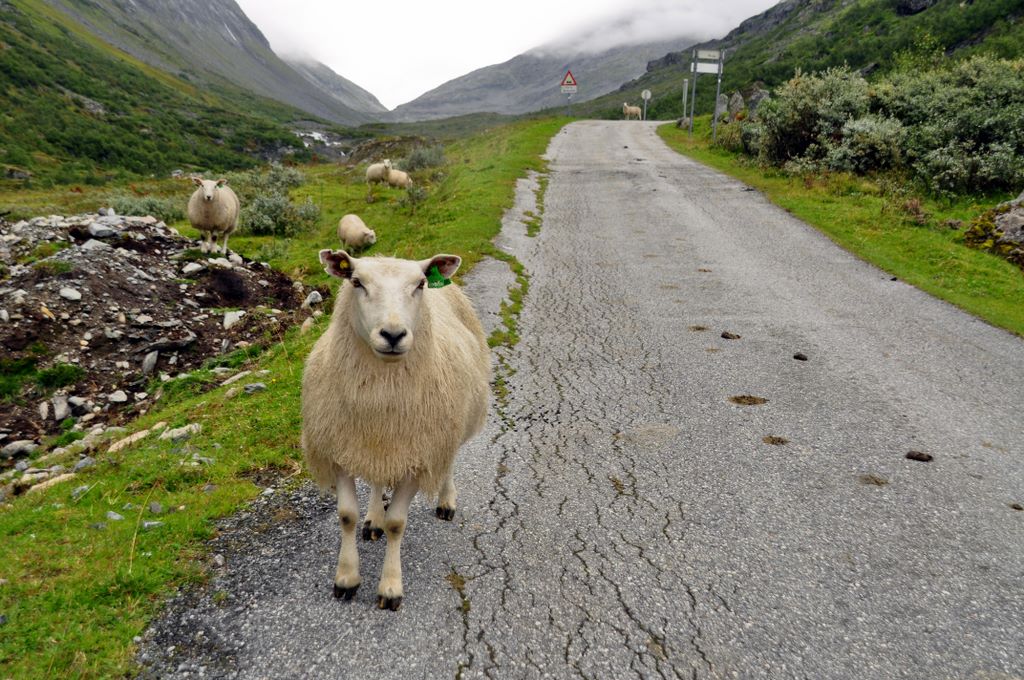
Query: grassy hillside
x,y
76,110
73,595
815,34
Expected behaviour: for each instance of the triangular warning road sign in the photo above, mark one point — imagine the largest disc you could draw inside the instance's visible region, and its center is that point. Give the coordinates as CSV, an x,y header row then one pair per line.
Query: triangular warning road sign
x,y
568,79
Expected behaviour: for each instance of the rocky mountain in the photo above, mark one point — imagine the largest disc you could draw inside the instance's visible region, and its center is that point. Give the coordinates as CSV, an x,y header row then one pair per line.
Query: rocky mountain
x,y
213,44
529,82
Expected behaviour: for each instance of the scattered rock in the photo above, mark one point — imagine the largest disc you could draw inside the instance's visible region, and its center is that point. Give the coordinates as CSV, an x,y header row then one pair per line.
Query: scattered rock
x,y
84,463
151,524
920,456
156,508
235,378
192,268
99,230
314,298
18,449
730,336
232,393
149,362
872,479
61,409
307,325
118,397
232,318
219,560
252,388
70,294
128,441
113,516
79,491
52,481
800,356
181,433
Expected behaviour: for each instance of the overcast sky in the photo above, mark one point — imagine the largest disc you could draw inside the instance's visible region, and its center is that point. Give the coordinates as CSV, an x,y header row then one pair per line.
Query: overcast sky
x,y
399,49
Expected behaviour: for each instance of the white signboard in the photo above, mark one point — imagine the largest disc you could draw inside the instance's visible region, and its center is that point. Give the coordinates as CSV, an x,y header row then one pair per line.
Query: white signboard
x,y
569,83
709,55
701,67
568,89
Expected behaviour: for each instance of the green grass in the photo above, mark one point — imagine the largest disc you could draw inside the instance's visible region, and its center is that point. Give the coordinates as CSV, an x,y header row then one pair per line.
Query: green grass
x,y
866,218
75,595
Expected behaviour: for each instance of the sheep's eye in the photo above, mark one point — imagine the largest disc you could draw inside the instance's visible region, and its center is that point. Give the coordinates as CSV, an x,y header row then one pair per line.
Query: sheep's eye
x,y
356,283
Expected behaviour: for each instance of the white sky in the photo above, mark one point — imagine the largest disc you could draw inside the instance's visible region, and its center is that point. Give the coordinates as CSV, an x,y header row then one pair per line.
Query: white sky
x,y
399,49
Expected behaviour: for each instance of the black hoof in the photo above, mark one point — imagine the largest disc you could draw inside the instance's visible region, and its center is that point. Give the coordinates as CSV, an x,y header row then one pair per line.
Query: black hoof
x,y
345,593
447,514
392,603
371,533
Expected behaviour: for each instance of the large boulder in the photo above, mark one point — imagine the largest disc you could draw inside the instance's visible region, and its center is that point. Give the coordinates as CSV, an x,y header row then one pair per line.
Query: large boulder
x,y
908,7
736,105
722,107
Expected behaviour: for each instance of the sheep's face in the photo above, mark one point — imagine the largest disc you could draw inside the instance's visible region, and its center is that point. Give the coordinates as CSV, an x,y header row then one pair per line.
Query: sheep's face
x,y
371,237
208,186
386,296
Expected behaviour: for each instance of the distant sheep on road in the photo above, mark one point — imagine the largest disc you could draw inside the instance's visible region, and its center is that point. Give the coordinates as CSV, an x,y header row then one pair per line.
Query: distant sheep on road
x,y
631,111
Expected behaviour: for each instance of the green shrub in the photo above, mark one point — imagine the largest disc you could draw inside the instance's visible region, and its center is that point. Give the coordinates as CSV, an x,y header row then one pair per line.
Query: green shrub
x,y
273,214
423,157
730,137
59,375
166,209
867,144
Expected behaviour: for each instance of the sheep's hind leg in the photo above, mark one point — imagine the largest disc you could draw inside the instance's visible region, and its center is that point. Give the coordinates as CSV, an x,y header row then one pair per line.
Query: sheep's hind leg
x,y
373,523
225,249
389,591
346,578
446,499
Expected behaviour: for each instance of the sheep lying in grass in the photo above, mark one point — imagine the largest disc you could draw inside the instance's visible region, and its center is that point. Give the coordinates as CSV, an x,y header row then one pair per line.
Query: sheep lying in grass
x,y
396,384
398,178
631,111
353,232
213,210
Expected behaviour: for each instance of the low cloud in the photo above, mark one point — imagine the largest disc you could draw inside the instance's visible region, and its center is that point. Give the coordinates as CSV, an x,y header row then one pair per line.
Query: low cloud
x,y
655,21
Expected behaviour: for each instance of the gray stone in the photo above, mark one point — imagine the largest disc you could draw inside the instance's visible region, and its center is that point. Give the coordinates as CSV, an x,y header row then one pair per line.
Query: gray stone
x,y
44,410
61,409
181,433
252,388
1011,224
70,294
78,491
98,230
94,244
149,363
314,298
84,463
22,447
113,516
79,405
156,508
151,524
192,268
722,106
21,466
118,397
231,318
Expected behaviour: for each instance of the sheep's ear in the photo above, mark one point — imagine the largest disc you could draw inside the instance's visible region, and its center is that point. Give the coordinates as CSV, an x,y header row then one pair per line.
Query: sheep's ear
x,y
198,181
337,263
447,265
222,181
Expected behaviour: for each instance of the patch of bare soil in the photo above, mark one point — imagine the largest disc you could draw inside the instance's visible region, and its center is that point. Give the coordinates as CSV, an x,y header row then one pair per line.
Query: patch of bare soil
x,y
97,311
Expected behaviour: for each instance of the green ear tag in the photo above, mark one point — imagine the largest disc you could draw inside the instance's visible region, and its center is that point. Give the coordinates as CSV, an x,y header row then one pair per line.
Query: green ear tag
x,y
435,279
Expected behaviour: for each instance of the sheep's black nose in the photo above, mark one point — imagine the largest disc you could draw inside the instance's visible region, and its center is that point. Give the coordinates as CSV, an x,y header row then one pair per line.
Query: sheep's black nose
x,y
393,338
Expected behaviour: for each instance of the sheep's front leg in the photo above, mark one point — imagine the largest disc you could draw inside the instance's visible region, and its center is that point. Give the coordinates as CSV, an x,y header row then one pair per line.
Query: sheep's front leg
x,y
389,591
202,241
446,498
225,249
346,578
373,523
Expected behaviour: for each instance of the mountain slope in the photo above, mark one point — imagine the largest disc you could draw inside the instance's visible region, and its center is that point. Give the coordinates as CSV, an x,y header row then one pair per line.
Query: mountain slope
x,y
529,82
77,110
342,89
816,34
214,44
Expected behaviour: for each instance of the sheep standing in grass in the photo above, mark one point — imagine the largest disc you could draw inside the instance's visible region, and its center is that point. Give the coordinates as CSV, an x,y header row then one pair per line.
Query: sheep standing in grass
x,y
354,233
213,210
376,173
397,178
631,111
396,384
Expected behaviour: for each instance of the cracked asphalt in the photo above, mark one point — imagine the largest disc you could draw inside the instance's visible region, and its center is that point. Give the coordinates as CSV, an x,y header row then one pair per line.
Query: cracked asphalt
x,y
621,517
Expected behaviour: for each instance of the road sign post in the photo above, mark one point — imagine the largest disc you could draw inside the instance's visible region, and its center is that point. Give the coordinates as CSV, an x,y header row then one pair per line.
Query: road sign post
x,y
686,91
645,95
699,64
569,87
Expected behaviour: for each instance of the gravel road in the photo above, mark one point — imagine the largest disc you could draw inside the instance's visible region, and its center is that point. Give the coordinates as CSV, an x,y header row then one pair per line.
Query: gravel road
x,y
622,517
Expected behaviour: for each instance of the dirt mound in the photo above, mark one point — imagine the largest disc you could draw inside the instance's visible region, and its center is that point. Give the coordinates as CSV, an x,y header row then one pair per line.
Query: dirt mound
x,y
96,311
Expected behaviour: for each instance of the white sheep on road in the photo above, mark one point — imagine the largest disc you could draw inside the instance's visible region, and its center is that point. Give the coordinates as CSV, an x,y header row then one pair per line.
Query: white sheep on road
x,y
631,111
391,390
213,210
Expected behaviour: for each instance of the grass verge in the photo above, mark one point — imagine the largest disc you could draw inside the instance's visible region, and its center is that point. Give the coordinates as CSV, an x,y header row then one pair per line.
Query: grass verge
x,y
872,218
76,583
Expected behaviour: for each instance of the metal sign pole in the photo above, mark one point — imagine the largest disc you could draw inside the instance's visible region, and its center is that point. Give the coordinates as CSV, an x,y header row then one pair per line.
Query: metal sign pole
x,y
718,93
686,91
693,99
